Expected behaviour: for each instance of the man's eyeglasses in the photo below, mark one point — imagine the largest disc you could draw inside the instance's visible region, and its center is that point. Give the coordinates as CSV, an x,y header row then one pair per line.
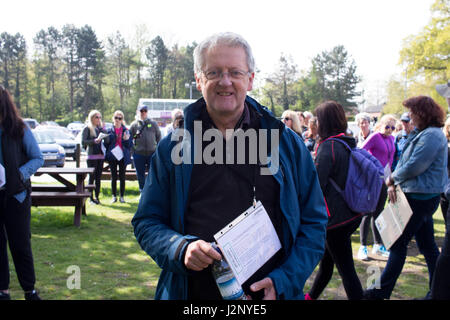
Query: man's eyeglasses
x,y
118,118
233,74
389,127
143,110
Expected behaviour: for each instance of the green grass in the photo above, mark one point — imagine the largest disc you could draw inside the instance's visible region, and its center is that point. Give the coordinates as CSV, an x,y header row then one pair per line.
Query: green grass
x,y
113,266
111,263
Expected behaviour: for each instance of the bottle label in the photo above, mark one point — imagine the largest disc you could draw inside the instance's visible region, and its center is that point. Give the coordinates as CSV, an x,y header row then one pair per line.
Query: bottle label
x,y
229,287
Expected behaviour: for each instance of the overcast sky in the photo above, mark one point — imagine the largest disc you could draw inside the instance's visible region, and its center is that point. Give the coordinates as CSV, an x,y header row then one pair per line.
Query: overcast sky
x,y
372,31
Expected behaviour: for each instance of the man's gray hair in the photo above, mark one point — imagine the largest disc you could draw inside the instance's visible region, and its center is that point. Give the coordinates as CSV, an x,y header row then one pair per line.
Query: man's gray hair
x,y
228,39
362,116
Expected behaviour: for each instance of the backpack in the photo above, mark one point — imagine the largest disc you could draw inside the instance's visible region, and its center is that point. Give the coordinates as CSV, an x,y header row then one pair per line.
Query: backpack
x,y
364,180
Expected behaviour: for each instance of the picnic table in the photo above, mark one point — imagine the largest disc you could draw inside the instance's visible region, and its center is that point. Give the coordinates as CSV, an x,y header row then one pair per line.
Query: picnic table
x,y
64,194
130,174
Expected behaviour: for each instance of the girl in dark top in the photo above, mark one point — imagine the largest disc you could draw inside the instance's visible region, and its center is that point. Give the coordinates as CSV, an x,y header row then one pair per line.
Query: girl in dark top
x,y
332,159
20,157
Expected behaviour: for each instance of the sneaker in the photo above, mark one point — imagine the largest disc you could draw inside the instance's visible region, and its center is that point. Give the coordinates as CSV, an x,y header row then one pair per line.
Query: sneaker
x,y
5,296
32,295
383,251
362,253
122,200
114,199
376,247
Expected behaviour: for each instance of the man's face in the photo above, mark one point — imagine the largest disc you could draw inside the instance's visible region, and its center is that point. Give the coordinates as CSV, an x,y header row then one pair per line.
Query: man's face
x,y
225,96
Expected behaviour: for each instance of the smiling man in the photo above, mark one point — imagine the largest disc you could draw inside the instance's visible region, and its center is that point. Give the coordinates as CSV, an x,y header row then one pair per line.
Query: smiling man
x,y
184,204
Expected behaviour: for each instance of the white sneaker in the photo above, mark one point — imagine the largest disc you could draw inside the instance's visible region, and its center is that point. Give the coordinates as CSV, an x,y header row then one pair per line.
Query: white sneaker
x,y
376,247
384,252
362,253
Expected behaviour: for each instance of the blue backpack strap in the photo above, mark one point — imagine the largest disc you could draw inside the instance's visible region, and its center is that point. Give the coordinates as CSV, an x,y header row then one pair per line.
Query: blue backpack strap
x,y
343,142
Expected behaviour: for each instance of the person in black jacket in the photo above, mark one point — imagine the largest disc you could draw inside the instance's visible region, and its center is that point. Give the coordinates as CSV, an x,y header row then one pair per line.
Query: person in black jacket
x,y
95,149
332,160
20,157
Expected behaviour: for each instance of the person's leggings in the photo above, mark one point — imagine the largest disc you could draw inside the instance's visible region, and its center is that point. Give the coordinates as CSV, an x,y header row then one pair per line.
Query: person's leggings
x,y
96,176
122,169
440,288
339,251
369,220
15,230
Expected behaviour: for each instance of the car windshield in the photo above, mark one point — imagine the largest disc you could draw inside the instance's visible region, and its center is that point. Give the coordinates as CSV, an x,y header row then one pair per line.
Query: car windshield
x,y
43,137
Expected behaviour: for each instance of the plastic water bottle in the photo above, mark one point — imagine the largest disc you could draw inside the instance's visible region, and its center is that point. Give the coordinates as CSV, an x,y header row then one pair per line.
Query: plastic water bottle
x,y
229,287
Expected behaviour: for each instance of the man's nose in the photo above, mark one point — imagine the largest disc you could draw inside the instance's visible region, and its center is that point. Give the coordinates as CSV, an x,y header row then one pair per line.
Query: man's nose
x,y
225,79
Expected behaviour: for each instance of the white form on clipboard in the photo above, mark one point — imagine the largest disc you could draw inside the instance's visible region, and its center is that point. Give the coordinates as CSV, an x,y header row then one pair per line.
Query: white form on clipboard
x,y
248,242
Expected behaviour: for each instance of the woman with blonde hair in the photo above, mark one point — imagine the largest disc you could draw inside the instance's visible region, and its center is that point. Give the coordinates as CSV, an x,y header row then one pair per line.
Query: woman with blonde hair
x,y
381,145
291,120
118,153
95,155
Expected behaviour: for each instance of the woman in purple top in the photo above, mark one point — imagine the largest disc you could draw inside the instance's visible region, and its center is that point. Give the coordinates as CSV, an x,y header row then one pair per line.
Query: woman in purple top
x,y
381,146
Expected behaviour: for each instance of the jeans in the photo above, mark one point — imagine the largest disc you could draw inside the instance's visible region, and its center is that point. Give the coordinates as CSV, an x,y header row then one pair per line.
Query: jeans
x,y
421,226
142,164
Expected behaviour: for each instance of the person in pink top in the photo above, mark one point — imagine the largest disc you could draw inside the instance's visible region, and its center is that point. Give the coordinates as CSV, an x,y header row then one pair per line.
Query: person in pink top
x,y
381,145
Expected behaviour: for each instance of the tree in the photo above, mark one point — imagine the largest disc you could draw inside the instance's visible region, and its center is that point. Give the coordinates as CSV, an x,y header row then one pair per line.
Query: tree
x,y
70,56
336,78
119,62
284,79
48,42
427,54
88,45
157,54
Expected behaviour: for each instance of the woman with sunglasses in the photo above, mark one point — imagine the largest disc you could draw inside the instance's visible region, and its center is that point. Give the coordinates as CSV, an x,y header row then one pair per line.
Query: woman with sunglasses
x,y
291,120
146,135
421,173
118,153
92,141
381,145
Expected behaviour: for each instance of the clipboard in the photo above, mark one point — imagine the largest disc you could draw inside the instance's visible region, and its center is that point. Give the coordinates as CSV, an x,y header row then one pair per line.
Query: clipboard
x,y
248,242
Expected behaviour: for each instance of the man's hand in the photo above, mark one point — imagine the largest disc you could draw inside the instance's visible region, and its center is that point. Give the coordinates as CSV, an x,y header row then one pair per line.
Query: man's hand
x,y
269,289
199,255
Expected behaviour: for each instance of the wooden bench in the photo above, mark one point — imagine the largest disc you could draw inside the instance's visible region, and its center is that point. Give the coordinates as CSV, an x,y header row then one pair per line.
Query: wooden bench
x,y
130,174
62,198
66,193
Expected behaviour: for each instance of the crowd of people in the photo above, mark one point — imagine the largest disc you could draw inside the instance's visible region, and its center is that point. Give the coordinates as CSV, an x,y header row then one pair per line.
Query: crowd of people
x,y
183,205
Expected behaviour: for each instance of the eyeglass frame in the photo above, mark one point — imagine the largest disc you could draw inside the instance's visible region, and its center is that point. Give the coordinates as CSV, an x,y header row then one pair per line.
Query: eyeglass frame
x,y
221,74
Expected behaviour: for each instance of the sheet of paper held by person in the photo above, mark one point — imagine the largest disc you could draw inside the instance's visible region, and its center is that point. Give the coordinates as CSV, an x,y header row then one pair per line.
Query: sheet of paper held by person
x,y
393,219
248,242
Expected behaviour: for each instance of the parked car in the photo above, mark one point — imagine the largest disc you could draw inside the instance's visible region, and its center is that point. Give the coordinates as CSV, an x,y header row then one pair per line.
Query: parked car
x,y
53,153
75,127
63,139
50,123
32,123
